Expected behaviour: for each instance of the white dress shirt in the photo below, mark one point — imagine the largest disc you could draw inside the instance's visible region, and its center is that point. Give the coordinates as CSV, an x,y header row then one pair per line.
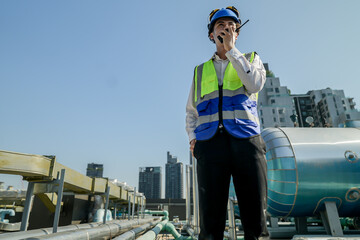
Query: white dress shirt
x,y
252,75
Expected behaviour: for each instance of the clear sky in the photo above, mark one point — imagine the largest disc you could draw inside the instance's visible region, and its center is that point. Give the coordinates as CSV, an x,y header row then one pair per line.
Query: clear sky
x,y
107,81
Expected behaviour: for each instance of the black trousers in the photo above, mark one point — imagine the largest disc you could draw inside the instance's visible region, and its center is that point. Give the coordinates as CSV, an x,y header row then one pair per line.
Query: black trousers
x,y
218,159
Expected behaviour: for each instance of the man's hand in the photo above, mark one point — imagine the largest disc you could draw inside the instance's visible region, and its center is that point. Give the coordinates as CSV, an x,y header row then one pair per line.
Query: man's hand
x,y
192,145
229,37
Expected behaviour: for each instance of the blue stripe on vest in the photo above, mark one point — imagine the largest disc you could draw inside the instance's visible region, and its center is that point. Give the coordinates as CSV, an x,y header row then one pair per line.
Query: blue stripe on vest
x,y
242,129
239,102
208,107
206,130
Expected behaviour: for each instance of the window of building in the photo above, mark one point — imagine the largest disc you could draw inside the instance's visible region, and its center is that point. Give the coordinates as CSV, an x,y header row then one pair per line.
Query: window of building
x,y
274,119
282,119
281,111
323,95
272,101
343,102
337,112
329,94
302,101
347,116
270,89
344,108
271,82
273,111
325,101
261,112
304,113
277,90
262,121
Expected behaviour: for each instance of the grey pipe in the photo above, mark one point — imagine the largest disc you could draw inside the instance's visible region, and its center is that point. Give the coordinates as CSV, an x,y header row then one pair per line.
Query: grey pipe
x,y
132,234
45,231
80,231
104,231
107,231
133,206
115,211
191,233
129,207
143,207
106,204
151,235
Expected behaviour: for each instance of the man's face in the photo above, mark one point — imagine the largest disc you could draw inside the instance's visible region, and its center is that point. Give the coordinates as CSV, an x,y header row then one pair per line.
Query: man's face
x,y
223,24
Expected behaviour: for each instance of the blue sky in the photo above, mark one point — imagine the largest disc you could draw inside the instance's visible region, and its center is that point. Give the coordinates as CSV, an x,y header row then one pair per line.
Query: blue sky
x,y
107,81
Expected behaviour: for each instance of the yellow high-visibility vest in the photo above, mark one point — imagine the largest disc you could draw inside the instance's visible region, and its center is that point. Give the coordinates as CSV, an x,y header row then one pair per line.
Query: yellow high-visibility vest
x,y
238,108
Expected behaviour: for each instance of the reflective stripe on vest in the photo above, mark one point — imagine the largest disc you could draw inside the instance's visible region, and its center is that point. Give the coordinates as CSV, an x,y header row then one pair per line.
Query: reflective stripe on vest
x,y
239,108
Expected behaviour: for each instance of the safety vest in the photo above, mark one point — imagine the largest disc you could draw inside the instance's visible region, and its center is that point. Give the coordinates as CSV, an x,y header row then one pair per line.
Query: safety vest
x,y
239,108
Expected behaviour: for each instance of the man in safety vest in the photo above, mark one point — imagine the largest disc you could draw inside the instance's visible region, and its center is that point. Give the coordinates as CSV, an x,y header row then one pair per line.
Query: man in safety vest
x,y
224,131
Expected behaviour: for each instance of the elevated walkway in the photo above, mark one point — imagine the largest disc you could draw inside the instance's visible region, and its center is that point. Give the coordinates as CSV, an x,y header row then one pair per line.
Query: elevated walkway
x,y
49,180
38,168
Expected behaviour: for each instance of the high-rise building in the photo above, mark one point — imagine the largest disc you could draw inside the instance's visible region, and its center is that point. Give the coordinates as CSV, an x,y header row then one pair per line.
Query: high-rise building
x,y
150,182
328,108
173,178
325,107
95,170
275,104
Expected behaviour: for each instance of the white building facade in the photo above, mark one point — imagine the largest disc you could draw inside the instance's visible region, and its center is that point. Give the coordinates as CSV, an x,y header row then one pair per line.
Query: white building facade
x,y
278,108
275,104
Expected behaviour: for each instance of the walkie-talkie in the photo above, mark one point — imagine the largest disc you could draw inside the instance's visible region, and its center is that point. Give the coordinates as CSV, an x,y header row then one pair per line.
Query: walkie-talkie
x,y
221,39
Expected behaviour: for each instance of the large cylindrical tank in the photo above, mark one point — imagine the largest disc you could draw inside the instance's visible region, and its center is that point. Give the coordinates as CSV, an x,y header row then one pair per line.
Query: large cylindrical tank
x,y
308,166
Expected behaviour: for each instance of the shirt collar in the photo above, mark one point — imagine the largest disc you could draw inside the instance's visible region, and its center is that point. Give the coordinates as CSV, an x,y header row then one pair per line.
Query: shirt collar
x,y
216,58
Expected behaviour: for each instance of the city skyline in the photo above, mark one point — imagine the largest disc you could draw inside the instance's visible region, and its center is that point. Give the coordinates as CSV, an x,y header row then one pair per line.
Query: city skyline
x,y
151,177
81,82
